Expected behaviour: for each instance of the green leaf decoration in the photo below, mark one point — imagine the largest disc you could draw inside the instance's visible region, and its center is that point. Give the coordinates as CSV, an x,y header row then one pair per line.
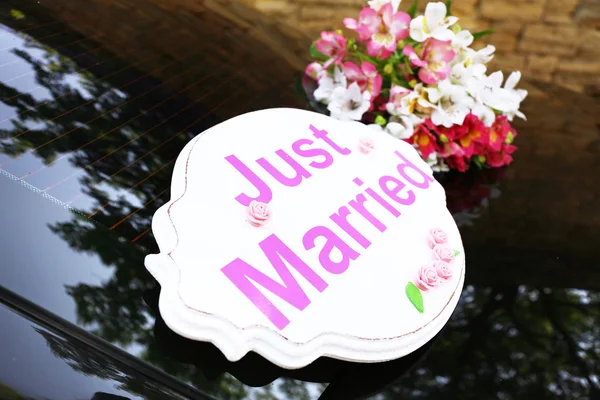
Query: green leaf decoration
x,y
448,7
314,53
456,252
479,35
414,295
412,11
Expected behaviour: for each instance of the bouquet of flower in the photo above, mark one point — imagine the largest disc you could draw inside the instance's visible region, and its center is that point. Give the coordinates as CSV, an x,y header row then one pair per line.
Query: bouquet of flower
x,y
416,78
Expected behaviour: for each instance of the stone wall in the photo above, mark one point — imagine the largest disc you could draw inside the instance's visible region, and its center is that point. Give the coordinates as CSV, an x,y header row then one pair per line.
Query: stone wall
x,y
548,40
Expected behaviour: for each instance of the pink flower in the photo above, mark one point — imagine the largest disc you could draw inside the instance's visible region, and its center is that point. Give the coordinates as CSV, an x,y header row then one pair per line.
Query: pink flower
x,y
332,45
366,77
444,253
434,61
366,145
427,278
315,71
381,29
443,269
258,213
437,236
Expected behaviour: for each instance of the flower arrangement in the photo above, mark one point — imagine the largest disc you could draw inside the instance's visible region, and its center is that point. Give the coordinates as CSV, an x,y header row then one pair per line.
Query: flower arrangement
x,y
418,79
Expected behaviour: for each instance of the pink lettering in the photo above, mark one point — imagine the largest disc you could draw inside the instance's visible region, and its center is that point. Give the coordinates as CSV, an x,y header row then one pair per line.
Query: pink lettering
x,y
359,205
392,192
297,147
378,199
340,219
322,134
241,273
333,241
407,164
299,169
264,192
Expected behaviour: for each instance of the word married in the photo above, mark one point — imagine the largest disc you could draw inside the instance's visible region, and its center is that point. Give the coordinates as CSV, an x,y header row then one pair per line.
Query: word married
x,y
246,278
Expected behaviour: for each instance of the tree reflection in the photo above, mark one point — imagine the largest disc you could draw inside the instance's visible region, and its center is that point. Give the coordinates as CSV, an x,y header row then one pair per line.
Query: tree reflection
x,y
502,342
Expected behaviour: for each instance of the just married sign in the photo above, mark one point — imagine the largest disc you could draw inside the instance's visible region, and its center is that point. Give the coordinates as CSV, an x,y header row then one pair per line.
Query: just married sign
x,y
295,235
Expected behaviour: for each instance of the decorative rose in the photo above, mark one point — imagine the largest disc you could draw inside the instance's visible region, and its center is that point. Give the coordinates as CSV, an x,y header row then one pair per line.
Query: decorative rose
x,y
258,213
437,236
427,278
443,269
365,145
444,253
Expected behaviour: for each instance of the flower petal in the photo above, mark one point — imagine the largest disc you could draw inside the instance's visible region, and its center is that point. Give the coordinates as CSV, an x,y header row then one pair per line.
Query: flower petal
x,y
512,80
351,23
399,26
313,70
463,38
351,71
417,29
435,14
443,34
369,69
409,51
373,48
428,76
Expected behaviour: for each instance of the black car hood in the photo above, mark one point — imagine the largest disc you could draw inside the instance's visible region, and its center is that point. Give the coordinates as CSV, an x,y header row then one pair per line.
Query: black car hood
x,y
99,98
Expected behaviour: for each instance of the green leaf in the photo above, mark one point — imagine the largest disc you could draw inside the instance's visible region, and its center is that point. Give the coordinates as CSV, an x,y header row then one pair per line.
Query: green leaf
x,y
479,35
449,7
414,295
314,53
412,11
456,252
16,14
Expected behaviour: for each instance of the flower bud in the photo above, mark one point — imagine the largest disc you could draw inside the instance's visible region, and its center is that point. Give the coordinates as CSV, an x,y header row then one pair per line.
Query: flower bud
x,y
388,69
509,138
444,138
380,120
412,83
456,28
480,159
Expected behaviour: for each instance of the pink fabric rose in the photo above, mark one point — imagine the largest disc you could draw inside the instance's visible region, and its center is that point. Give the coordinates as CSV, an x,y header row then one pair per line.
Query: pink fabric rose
x,y
258,213
443,269
365,145
437,236
444,253
427,278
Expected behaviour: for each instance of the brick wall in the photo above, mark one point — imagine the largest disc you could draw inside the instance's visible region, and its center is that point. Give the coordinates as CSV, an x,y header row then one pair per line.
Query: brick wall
x,y
548,40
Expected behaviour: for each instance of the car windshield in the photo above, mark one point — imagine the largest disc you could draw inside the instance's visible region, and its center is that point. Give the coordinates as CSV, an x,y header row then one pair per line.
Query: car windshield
x,y
98,98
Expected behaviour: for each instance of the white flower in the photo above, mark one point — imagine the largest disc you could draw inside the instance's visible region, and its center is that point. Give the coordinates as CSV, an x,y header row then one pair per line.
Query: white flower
x,y
490,96
402,127
462,40
327,85
433,24
377,4
511,83
467,77
484,113
435,163
467,56
399,127
349,103
493,95
453,104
